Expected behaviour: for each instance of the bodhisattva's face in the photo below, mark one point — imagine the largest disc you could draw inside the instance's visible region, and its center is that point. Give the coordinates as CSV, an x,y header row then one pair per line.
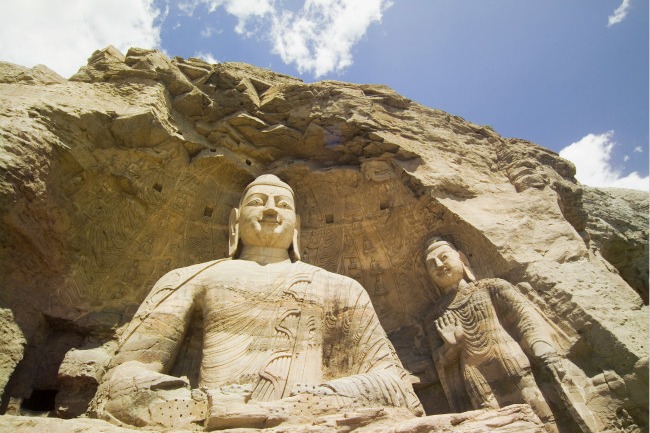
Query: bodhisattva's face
x,y
445,267
267,217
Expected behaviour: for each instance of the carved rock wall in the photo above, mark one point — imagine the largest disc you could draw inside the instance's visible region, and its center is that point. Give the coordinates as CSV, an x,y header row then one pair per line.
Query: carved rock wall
x,y
130,169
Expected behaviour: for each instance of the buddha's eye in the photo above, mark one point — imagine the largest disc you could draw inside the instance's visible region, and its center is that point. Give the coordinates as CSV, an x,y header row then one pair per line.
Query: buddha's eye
x,y
284,205
256,202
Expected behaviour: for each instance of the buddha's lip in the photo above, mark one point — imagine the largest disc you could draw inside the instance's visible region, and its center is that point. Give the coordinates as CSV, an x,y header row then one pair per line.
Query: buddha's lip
x,y
269,220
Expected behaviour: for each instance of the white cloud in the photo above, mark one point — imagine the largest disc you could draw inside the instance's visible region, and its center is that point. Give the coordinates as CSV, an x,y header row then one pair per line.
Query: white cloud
x,y
206,32
638,149
187,7
63,34
619,14
206,56
244,10
591,156
319,38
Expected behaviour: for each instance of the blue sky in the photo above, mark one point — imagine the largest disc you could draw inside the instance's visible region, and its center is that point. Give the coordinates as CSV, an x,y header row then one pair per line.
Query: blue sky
x,y
571,76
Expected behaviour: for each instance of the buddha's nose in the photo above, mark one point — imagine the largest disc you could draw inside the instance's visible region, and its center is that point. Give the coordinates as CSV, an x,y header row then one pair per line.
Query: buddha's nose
x,y
269,208
437,262
269,211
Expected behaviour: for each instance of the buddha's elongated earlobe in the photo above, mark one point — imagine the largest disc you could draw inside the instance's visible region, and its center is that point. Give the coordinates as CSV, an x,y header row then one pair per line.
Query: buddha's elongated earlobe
x,y
233,233
295,244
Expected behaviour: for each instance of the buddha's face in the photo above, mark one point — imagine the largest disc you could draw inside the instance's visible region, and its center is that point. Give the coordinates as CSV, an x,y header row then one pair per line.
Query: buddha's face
x,y
267,217
445,267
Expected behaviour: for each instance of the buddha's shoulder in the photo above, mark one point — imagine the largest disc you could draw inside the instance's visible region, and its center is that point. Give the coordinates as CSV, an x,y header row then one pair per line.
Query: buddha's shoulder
x,y
332,278
303,267
224,270
187,273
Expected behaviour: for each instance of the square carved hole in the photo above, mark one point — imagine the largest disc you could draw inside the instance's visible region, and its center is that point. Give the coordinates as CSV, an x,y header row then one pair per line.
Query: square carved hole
x,y
329,219
207,212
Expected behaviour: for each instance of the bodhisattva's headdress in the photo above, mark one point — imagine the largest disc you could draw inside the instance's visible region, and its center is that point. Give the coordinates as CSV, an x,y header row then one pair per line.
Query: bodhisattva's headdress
x,y
436,242
233,232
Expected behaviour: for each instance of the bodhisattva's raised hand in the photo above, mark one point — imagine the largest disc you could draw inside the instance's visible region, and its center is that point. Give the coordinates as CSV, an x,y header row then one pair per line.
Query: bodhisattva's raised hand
x,y
449,328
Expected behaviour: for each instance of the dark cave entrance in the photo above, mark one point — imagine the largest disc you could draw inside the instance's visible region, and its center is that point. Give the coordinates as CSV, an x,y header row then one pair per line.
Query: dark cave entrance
x,y
41,400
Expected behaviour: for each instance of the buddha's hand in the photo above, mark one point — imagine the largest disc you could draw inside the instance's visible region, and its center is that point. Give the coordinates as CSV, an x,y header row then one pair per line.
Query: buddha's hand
x,y
130,390
231,408
134,376
450,328
300,388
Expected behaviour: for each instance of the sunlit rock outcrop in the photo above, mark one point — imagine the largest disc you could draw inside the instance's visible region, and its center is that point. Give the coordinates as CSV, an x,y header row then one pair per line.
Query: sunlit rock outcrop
x,y
131,168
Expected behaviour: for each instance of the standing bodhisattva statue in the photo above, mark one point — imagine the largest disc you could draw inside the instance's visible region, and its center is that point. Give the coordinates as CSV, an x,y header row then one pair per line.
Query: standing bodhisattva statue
x,y
482,335
479,363
282,339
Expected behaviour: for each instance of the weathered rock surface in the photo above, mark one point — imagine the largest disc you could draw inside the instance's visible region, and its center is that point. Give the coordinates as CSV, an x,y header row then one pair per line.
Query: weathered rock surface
x,y
618,226
131,168
39,74
13,343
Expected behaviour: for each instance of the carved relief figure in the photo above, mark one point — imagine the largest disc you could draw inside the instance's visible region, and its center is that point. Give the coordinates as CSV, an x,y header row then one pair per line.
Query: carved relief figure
x,y
479,363
281,338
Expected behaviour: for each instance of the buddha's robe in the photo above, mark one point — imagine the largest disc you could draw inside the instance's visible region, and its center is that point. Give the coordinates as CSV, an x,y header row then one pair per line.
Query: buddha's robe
x,y
300,328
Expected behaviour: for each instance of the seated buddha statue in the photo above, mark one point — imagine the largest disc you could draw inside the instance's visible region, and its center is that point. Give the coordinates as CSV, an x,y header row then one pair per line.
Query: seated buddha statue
x,y
282,340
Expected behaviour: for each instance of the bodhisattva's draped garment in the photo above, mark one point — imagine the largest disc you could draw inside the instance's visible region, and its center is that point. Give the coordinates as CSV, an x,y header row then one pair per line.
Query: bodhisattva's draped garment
x,y
492,366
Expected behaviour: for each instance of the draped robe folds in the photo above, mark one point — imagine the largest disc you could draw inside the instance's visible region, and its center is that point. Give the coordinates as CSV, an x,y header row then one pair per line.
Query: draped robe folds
x,y
307,327
490,363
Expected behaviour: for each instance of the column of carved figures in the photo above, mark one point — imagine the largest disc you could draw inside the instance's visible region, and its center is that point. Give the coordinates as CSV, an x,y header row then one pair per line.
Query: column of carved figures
x,y
480,365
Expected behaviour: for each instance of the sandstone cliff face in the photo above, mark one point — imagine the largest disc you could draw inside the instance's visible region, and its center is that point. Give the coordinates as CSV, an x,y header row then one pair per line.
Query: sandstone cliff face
x,y
130,169
618,226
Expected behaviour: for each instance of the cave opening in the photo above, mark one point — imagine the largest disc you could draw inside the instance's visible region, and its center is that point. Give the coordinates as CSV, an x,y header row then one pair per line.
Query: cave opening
x,y
41,400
